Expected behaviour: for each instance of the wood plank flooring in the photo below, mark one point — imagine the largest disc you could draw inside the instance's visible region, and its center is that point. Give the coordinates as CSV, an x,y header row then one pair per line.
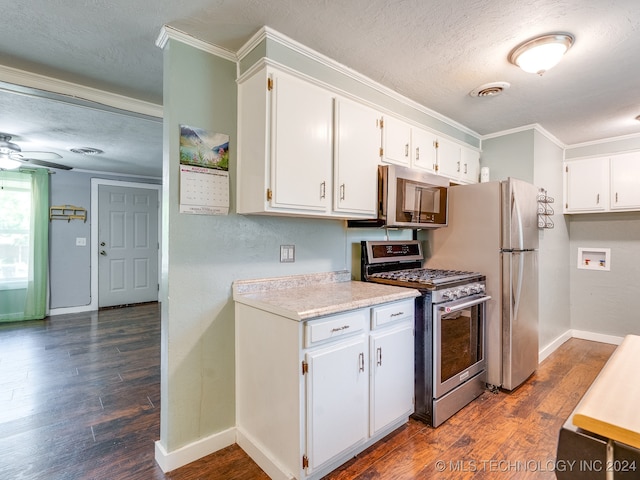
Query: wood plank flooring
x,y
80,399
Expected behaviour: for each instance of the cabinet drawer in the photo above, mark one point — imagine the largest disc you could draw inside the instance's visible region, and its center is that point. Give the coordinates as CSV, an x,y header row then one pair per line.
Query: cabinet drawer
x,y
318,331
394,312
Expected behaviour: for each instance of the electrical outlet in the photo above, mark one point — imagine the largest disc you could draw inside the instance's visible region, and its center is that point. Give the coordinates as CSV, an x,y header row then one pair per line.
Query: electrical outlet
x,y
81,241
287,253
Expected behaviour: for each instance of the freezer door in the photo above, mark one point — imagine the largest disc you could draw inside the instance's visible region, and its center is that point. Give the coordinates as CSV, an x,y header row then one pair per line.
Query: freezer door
x,y
519,317
520,215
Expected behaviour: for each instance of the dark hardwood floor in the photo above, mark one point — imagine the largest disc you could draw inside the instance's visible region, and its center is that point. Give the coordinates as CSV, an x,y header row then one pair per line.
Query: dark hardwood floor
x,y
80,399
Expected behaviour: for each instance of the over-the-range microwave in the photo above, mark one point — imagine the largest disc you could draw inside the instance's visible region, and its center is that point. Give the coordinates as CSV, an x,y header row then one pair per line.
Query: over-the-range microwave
x,y
409,199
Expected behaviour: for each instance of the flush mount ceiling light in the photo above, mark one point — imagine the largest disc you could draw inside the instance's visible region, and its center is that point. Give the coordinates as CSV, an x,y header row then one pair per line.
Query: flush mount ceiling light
x,y
541,53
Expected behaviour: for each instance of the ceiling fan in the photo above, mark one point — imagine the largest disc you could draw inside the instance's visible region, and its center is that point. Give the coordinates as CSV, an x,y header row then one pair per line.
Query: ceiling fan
x,y
11,156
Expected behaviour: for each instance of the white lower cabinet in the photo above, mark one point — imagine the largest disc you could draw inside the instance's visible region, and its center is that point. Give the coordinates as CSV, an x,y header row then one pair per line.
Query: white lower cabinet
x,y
336,391
310,395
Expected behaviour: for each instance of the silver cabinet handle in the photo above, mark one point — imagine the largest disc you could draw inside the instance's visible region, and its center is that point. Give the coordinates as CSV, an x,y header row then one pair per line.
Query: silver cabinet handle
x,y
406,150
323,189
417,153
465,168
361,361
458,166
379,356
598,199
342,192
616,197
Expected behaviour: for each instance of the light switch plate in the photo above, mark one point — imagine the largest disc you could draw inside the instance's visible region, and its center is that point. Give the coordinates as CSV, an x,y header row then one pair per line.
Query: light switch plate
x,y
287,253
81,241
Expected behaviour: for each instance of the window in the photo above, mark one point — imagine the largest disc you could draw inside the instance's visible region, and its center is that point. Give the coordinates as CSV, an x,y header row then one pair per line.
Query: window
x,y
15,222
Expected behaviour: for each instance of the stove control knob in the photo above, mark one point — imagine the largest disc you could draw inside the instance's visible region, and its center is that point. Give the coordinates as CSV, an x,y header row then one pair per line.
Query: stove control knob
x,y
465,291
475,288
455,294
480,288
446,295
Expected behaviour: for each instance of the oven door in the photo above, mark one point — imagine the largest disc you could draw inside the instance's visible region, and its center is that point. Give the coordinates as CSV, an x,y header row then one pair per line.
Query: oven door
x,y
458,342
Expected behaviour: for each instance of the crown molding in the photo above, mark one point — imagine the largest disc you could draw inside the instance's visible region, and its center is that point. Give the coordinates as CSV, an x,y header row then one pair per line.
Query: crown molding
x,y
168,32
29,83
534,126
269,33
630,136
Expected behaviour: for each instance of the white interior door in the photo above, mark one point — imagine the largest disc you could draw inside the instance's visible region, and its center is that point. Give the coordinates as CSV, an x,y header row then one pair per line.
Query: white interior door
x,y
127,245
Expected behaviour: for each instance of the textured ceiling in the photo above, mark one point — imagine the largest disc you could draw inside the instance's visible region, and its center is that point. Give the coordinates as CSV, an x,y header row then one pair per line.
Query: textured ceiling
x,y
434,52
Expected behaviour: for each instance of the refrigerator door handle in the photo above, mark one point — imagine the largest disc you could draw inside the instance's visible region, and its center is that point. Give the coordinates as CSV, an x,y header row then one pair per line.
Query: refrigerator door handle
x,y
517,283
517,218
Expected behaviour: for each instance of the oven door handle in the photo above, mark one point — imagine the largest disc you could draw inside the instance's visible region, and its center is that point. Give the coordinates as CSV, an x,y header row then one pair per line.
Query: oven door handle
x,y
462,306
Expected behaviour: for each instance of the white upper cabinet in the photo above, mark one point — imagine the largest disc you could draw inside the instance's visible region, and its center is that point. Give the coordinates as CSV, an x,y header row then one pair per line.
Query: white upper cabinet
x,y
356,157
423,150
470,165
625,181
304,151
586,185
396,141
459,163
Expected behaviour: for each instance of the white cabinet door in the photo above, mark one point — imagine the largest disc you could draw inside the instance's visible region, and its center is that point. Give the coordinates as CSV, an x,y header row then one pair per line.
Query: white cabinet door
x,y
470,165
586,185
396,141
625,181
392,376
356,157
423,150
337,400
301,149
449,159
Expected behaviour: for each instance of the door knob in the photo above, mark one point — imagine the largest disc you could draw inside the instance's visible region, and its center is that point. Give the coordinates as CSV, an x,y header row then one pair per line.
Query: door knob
x,y
102,252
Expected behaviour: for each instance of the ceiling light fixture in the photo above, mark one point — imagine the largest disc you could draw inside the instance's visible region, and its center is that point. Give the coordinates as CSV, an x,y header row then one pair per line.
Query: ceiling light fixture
x,y
86,151
7,163
541,53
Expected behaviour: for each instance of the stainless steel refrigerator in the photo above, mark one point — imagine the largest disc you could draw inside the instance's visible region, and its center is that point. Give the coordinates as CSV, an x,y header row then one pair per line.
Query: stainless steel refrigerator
x,y
493,229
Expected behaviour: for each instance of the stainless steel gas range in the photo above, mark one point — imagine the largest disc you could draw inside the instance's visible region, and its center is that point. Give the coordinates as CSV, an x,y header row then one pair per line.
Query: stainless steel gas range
x,y
450,358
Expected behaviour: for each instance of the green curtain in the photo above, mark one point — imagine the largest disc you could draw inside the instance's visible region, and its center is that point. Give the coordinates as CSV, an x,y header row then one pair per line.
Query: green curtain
x,y
26,299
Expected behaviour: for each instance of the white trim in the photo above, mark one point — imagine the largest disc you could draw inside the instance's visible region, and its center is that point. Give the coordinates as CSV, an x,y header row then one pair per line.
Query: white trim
x,y
603,141
76,91
65,310
597,337
271,466
553,346
169,461
534,126
581,334
168,32
95,183
269,33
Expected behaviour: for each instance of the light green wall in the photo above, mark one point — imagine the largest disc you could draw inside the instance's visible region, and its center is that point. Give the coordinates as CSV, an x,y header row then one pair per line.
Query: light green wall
x,y
553,257
606,302
510,155
203,255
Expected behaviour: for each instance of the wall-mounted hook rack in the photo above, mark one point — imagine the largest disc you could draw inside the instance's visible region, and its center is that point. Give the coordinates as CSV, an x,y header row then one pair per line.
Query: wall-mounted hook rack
x,y
68,213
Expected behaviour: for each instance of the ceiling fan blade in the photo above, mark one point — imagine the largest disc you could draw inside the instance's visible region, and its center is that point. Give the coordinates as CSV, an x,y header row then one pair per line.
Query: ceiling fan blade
x,y
43,163
36,156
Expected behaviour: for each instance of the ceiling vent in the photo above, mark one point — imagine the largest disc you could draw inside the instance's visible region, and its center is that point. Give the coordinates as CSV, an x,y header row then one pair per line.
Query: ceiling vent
x,y
489,89
86,151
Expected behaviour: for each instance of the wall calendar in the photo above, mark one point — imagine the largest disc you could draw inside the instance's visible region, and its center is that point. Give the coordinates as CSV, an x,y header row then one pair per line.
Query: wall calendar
x,y
204,172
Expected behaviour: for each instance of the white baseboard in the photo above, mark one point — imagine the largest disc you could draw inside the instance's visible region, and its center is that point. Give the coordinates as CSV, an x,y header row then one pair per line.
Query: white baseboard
x,y
597,337
581,334
65,310
553,346
169,461
258,454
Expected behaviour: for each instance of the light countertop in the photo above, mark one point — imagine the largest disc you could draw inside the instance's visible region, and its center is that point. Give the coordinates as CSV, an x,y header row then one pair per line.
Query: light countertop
x,y
304,297
610,406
